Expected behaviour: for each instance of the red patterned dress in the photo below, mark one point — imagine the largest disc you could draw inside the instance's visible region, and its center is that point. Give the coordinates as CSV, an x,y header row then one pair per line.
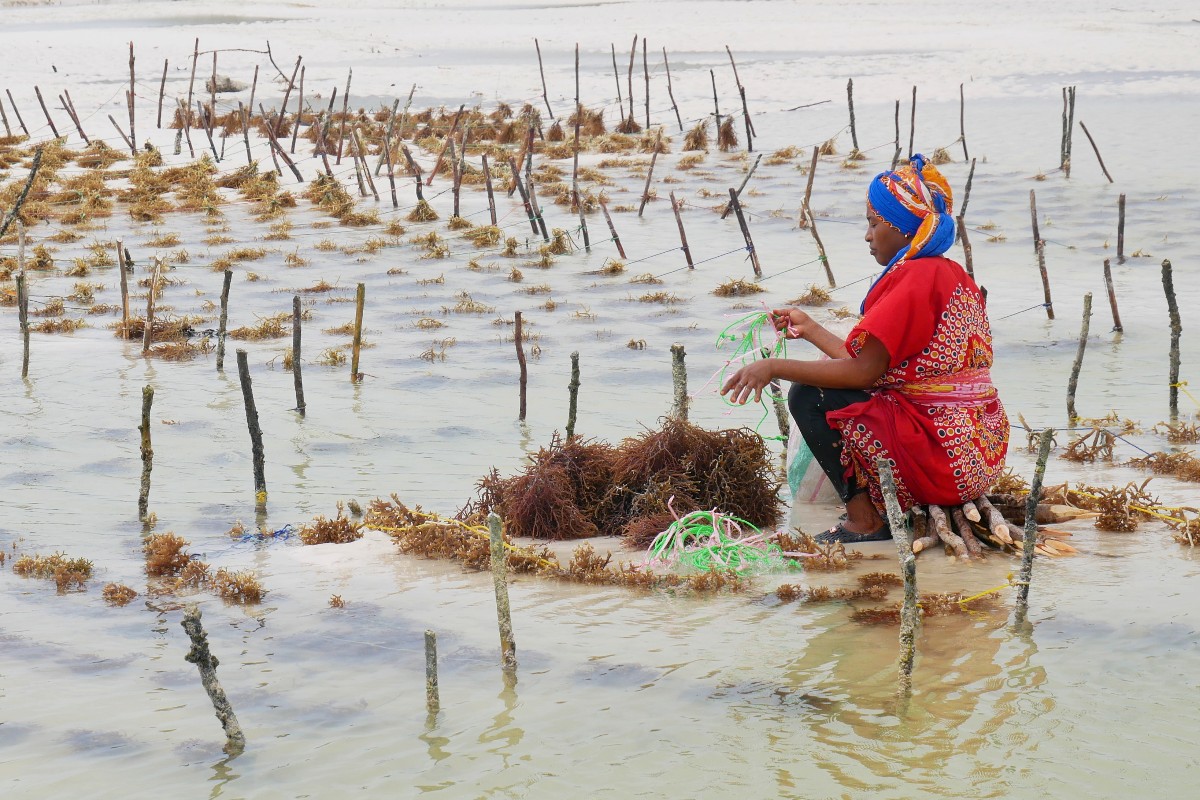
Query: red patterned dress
x,y
934,414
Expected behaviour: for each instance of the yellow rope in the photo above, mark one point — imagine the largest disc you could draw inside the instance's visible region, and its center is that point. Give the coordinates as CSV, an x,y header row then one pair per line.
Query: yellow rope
x,y
1183,385
999,588
1144,510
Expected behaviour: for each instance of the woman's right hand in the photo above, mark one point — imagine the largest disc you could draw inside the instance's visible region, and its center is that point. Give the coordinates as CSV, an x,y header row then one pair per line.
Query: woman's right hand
x,y
795,324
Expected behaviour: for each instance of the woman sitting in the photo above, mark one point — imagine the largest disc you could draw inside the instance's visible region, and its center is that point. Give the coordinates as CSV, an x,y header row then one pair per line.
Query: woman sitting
x,y
910,384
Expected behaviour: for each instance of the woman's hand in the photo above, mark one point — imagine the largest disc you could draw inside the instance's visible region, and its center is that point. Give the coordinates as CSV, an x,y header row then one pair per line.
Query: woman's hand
x,y
750,379
795,324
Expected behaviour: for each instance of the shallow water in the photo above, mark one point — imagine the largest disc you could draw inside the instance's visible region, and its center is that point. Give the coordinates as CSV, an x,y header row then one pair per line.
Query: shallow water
x,y
619,694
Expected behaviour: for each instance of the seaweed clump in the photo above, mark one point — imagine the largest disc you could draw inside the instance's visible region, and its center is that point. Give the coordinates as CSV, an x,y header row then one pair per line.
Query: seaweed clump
x,y
579,488
338,530
67,573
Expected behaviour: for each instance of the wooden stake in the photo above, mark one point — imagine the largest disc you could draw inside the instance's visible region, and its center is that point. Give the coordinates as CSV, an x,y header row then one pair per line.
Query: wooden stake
x,y
4,117
148,332
1176,331
23,300
679,409
1112,298
646,74
542,72
573,394
278,126
345,113
968,258
962,122
449,138
974,548
223,320
716,107
524,379
812,227
896,155
850,103
162,90
1095,150
245,132
297,378
202,657
941,526
360,298
962,210
508,645
670,91
617,78
212,92
745,110
187,108
909,612
687,252
67,105
912,125
533,203
256,442
124,289
741,218
456,185
632,54
487,181
300,115
1121,229
278,148
1041,257
254,90
16,111
1073,383
612,229
432,700
805,213
745,180
147,452
42,102
416,171
132,98
360,153
650,173
1030,541
516,174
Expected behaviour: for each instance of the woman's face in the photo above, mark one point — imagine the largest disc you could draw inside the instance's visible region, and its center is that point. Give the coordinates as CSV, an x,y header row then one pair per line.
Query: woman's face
x,y
884,240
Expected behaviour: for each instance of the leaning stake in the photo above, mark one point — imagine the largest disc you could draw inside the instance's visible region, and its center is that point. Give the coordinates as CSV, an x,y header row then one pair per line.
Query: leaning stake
x,y
679,409
687,252
508,647
22,300
1095,150
223,322
909,613
147,452
1112,298
1030,542
199,654
741,218
1073,383
256,442
1176,330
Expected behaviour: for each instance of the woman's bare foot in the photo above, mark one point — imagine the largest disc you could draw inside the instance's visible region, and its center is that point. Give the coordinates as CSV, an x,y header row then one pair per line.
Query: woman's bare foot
x,y
861,515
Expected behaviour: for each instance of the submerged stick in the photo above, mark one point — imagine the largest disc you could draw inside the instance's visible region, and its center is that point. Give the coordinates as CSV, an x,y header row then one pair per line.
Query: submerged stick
x,y
741,218
524,379
1030,540
909,613
147,452
297,378
206,662
687,251
256,442
679,408
650,173
508,645
1176,331
1112,298
1095,150
1073,383
360,298
223,320
573,394
612,228
432,700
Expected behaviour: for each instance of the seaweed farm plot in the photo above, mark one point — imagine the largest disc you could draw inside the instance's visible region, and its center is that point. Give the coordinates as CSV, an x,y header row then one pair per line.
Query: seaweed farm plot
x,y
308,393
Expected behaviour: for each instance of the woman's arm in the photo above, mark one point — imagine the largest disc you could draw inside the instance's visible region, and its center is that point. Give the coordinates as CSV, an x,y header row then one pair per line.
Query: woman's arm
x,y
799,325
839,373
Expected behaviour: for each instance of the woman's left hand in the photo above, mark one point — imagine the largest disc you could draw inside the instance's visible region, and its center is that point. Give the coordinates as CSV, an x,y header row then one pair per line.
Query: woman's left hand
x,y
750,379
